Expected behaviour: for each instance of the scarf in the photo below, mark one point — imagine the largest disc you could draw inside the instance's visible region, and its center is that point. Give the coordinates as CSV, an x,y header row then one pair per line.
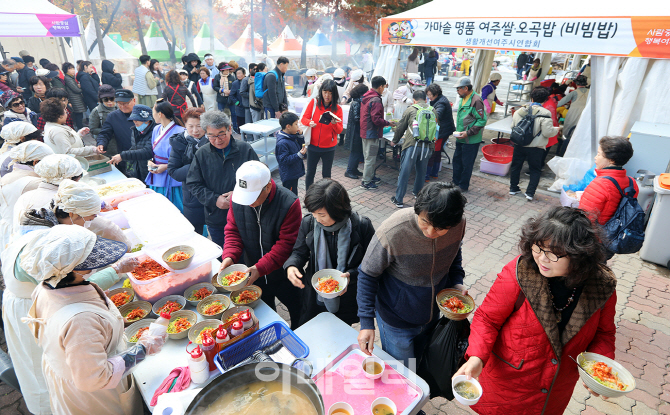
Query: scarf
x,y
323,260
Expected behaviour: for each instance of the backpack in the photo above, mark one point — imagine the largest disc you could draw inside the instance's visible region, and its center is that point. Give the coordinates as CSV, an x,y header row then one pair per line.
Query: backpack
x,y
625,230
523,132
258,84
427,123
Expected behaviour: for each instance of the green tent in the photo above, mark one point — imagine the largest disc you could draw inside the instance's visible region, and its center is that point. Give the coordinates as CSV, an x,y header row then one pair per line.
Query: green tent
x,y
156,45
130,48
201,45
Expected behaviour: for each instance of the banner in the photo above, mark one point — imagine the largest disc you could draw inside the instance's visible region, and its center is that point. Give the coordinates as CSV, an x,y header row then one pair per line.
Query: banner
x,y
647,37
38,25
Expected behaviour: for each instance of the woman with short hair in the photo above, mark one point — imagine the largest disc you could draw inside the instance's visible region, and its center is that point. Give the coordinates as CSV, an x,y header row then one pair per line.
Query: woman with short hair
x,y
206,89
553,302
61,138
89,86
331,236
39,85
74,94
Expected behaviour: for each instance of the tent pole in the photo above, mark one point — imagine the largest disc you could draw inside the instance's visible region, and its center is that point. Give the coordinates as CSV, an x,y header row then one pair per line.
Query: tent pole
x,y
594,81
82,37
62,48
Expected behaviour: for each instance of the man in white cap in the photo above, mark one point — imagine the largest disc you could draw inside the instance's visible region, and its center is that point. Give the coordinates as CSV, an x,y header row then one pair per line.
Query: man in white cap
x,y
311,78
489,92
262,211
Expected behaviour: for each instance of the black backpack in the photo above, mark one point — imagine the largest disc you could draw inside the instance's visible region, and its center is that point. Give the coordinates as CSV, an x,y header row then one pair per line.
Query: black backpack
x,y
523,132
625,230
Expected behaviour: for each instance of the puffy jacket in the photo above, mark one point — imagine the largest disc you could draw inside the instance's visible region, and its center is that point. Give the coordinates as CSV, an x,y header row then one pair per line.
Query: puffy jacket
x,y
74,94
140,153
109,77
372,115
275,95
183,150
291,165
212,174
527,368
445,117
24,81
89,89
323,135
429,66
353,140
97,118
195,76
115,134
471,118
601,197
543,128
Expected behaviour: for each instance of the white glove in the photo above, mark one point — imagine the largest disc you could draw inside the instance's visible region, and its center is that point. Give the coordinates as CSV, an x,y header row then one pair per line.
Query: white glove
x,y
125,265
153,339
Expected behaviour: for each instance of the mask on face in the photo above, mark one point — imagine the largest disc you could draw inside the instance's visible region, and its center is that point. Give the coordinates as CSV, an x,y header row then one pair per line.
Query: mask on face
x,y
87,224
311,81
142,127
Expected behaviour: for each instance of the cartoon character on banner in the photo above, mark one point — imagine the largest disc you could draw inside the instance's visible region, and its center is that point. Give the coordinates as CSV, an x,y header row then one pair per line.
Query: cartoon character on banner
x,y
402,32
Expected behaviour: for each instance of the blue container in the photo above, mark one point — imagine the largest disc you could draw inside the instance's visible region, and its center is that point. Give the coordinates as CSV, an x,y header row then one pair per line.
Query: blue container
x,y
267,336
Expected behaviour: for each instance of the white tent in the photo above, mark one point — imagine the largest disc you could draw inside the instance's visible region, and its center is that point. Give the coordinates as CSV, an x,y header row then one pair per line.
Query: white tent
x,y
629,78
36,18
285,45
112,49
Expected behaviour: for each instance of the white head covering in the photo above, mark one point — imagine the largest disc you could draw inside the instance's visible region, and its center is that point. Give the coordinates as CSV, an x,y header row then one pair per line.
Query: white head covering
x,y
413,78
53,253
495,76
356,75
339,73
76,197
13,131
317,85
310,72
56,167
30,151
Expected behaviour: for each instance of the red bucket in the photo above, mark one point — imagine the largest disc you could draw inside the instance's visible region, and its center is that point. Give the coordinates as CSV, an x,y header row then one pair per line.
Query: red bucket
x,y
498,153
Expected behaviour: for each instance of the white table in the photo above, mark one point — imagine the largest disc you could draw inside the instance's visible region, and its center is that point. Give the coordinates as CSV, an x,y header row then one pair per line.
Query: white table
x,y
111,176
327,337
503,126
265,146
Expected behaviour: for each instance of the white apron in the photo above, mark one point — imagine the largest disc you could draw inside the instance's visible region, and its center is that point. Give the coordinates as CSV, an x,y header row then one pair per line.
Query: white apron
x,y
208,94
399,107
25,353
533,73
123,400
575,111
9,195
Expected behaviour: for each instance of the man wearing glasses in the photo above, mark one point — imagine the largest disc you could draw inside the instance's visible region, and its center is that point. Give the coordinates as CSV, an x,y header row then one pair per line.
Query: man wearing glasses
x,y
116,135
470,123
211,176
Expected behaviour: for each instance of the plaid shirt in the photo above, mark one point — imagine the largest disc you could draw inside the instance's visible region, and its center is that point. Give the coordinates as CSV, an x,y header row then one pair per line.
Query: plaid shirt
x,y
68,121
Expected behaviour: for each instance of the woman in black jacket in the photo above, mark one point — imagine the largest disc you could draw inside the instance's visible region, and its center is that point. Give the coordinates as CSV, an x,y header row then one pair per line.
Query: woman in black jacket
x,y
141,150
89,87
184,145
74,95
342,237
353,140
110,76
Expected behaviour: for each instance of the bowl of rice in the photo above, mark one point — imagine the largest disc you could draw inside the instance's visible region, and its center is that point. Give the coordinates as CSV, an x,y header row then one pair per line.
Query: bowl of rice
x,y
454,305
180,323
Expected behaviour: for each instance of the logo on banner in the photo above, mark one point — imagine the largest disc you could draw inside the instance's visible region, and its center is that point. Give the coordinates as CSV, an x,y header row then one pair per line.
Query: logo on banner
x,y
402,32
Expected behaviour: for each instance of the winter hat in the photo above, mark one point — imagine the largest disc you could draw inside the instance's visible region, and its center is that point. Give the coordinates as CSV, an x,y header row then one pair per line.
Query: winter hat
x,y
8,97
356,75
58,167
44,62
17,59
106,91
42,72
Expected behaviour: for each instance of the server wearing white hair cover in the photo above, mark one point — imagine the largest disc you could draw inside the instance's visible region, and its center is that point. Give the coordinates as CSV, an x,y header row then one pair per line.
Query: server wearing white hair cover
x,y
357,78
402,97
489,92
13,132
311,76
79,328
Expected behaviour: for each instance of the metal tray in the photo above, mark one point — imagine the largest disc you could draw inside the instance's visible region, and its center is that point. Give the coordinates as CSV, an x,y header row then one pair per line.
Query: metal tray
x,y
355,349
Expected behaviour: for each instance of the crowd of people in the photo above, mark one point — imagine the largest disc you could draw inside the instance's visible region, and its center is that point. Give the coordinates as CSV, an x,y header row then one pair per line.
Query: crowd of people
x,y
59,255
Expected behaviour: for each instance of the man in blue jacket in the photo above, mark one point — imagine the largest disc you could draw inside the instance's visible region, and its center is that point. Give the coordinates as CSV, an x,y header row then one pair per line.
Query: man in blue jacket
x,y
116,134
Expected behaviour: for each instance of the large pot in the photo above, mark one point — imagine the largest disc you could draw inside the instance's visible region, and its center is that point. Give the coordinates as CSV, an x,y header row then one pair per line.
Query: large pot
x,y
244,375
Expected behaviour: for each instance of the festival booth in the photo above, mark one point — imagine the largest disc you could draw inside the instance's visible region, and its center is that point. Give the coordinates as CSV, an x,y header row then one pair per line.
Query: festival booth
x,y
285,45
319,45
201,44
629,46
156,45
242,46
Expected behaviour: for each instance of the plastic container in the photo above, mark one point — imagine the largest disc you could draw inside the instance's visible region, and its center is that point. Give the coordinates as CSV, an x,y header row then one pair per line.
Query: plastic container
x,y
198,365
246,320
205,251
156,220
136,184
498,153
209,348
657,234
117,217
171,283
134,241
491,167
222,336
237,328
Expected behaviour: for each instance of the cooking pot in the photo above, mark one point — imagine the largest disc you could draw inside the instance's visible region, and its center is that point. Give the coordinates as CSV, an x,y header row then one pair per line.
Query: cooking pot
x,y
244,375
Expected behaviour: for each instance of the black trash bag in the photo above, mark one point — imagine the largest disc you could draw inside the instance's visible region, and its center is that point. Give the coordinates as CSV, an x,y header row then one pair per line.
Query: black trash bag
x,y
443,356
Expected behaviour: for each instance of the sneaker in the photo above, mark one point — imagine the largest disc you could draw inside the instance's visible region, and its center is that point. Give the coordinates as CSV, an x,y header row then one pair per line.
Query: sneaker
x,y
351,176
369,186
528,197
414,194
396,203
376,180
514,192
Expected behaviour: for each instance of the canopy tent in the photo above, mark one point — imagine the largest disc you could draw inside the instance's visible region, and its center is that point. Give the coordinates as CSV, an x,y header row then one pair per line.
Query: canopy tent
x,y
319,44
36,18
242,45
635,36
112,49
285,45
201,43
130,48
156,45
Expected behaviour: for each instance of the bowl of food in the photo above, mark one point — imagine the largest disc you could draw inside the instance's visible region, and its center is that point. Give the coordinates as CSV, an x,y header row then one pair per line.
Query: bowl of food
x,y
233,313
121,296
198,292
340,408
213,306
195,332
133,332
373,367
135,311
215,283
180,323
383,406
454,305
604,376
233,278
329,283
169,304
179,257
466,391
247,296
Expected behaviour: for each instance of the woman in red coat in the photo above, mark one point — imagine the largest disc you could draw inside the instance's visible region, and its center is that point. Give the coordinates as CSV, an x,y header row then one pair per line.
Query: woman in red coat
x,y
323,136
557,299
601,197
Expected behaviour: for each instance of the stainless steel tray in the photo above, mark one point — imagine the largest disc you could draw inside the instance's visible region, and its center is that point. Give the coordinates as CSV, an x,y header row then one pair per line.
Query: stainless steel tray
x,y
354,348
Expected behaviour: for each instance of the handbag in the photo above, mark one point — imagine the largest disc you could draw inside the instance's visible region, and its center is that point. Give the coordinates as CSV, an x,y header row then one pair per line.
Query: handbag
x,y
306,129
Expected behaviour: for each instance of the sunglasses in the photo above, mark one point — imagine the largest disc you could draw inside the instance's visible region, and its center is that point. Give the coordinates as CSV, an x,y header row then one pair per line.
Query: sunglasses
x,y
18,104
108,99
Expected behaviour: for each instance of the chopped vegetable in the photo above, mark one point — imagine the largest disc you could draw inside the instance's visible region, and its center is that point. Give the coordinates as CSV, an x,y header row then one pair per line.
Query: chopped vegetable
x,y
234,317
246,297
170,307
200,294
136,314
139,334
149,269
126,283
120,299
214,307
137,248
603,374
328,285
233,278
455,305
179,325
178,256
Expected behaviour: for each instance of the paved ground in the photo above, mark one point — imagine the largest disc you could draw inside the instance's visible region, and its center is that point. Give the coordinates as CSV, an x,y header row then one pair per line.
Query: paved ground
x,y
494,220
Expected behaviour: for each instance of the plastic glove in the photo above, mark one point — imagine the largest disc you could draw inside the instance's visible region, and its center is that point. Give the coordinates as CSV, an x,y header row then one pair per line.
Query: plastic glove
x,y
154,338
125,265
488,106
124,363
525,76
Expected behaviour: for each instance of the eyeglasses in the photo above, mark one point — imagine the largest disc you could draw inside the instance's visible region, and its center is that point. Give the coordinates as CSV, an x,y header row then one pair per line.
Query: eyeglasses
x,y
550,255
219,136
18,104
108,99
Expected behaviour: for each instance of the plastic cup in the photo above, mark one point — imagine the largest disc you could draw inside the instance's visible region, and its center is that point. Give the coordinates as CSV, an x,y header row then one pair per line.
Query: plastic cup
x,y
373,359
341,406
383,401
459,398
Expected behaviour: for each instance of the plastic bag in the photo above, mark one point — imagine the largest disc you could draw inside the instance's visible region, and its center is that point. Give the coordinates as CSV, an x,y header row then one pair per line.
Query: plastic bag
x,y
567,170
586,180
444,355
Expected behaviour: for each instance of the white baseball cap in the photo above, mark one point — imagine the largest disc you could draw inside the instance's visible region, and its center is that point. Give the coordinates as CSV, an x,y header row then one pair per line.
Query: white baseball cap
x,y
250,179
310,72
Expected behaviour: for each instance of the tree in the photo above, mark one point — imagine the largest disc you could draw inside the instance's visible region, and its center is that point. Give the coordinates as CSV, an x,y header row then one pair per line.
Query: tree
x,y
188,35
98,32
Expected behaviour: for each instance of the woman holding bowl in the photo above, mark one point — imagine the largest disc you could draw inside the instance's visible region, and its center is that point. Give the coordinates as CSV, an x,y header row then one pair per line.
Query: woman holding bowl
x,y
555,301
